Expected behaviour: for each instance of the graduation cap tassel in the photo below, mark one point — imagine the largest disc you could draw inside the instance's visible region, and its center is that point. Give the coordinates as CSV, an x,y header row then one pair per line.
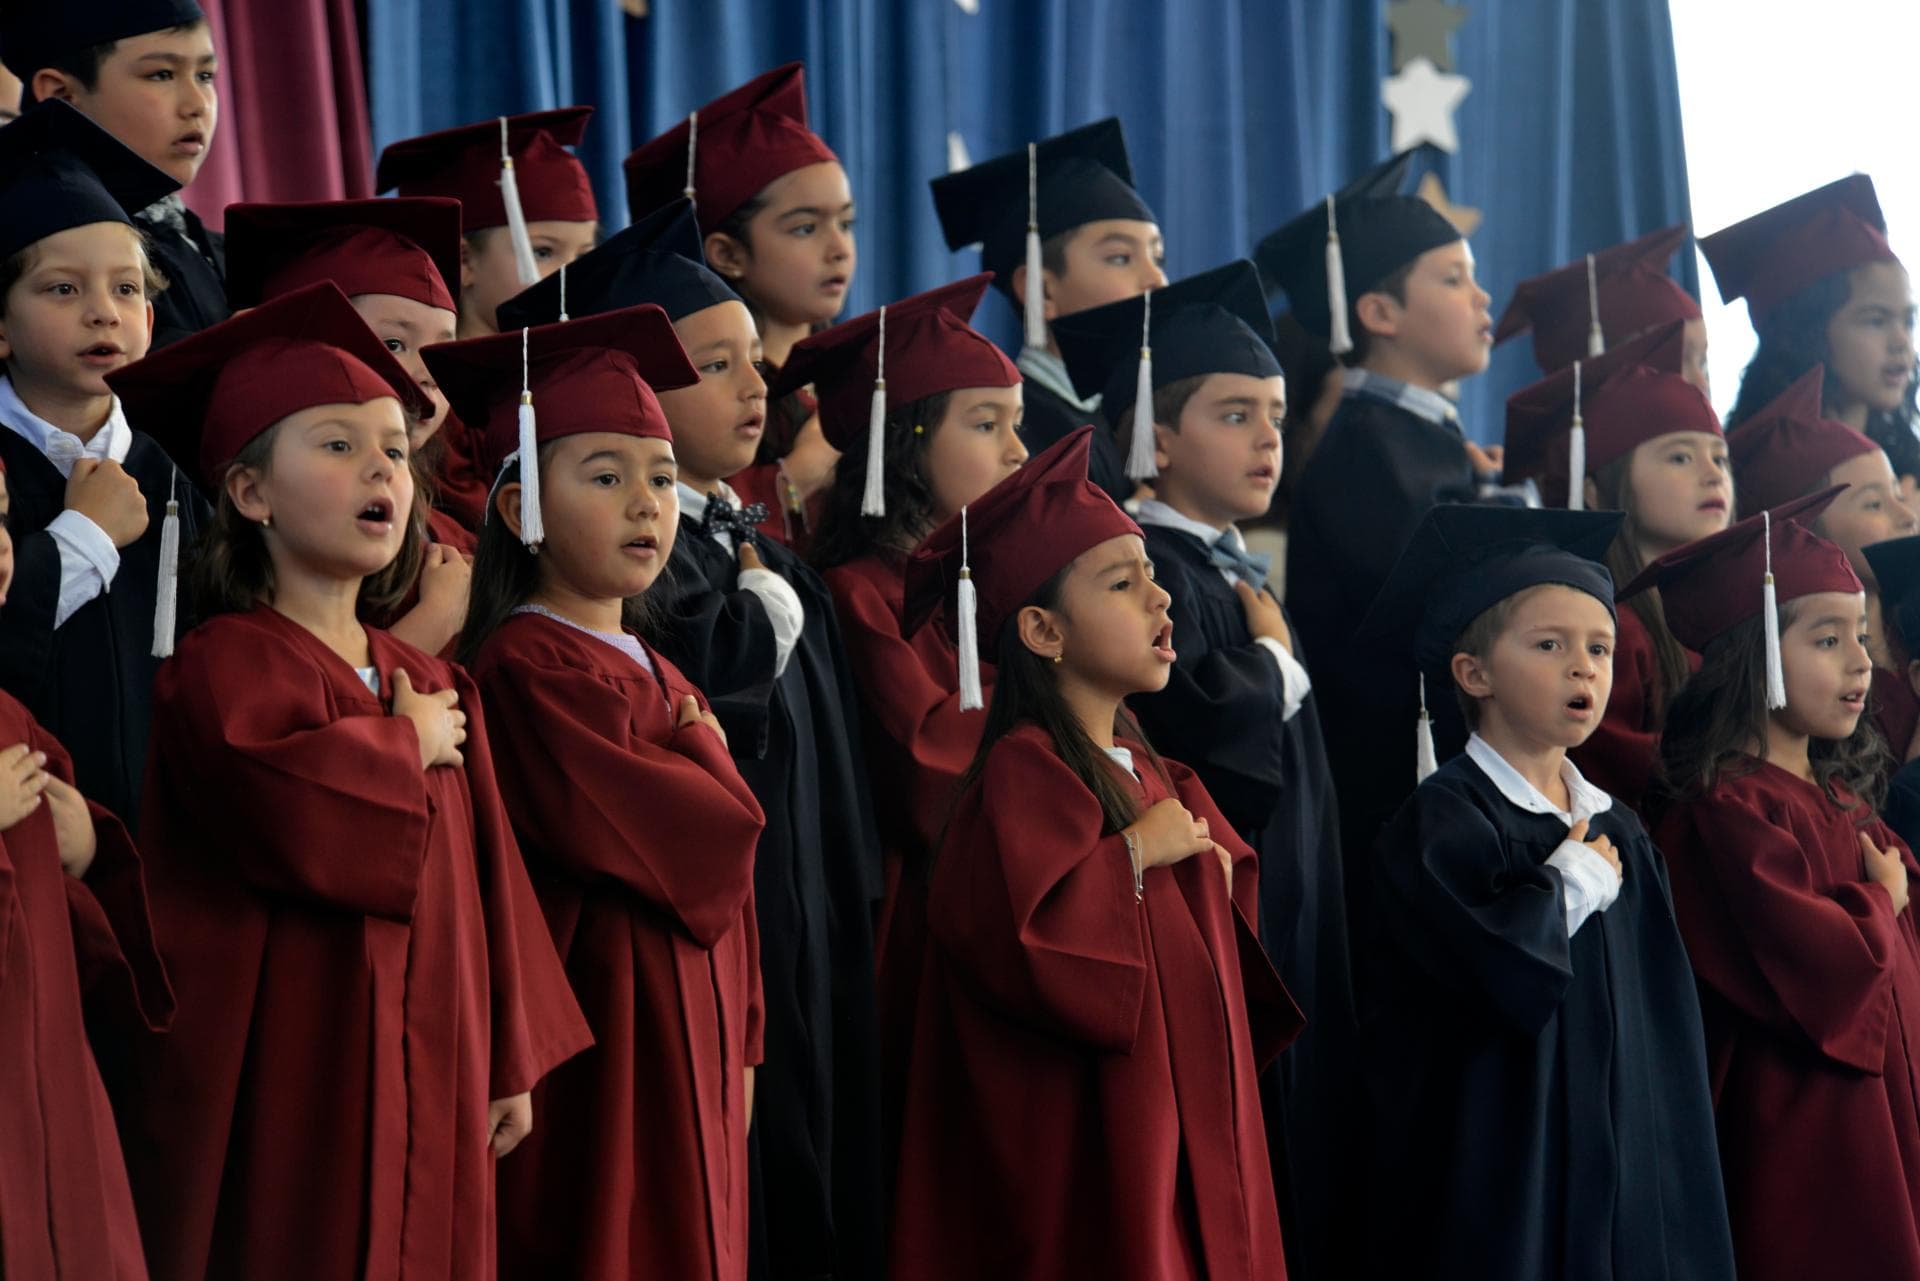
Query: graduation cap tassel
x,y
873,498
1596,337
1140,449
166,598
1770,622
1577,452
971,699
1036,294
532,530
693,136
524,264
563,294
1424,760
1340,337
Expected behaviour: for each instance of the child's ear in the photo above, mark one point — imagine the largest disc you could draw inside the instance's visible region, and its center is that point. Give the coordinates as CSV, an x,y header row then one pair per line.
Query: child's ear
x,y
1378,313
51,83
1040,632
1592,493
1048,307
1162,460
1470,674
243,489
466,264
506,505
726,255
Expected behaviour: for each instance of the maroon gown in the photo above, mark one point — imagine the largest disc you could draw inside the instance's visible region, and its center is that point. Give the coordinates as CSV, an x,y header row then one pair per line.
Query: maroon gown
x,y
361,968
1082,1094
66,1213
1623,755
1810,990
640,839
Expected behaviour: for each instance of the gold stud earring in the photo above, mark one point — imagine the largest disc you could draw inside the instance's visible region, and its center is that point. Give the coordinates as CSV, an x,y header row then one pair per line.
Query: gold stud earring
x,y
266,522
919,429
1059,658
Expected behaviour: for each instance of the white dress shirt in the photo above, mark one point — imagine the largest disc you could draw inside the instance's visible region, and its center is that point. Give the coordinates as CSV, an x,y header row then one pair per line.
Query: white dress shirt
x,y
88,558
1588,882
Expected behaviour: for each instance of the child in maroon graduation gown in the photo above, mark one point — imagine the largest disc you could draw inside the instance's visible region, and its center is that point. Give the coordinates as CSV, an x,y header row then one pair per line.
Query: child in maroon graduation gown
x,y
71,899
1094,1007
1653,449
638,829
1792,899
367,994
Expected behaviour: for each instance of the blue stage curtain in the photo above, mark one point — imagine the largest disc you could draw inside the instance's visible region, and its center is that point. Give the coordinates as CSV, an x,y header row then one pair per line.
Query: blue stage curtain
x,y
1238,112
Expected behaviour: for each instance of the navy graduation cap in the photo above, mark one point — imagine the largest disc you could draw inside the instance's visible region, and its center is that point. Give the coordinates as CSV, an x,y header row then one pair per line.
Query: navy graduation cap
x,y
59,170
656,260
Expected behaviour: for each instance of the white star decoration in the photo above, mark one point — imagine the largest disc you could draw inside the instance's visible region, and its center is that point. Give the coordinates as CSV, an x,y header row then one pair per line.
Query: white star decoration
x,y
1422,98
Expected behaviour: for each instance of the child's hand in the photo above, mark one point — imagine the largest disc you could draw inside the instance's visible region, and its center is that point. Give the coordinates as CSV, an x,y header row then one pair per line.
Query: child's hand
x,y
437,718
750,556
72,826
445,576
809,464
1264,617
22,778
111,499
1886,869
1169,834
690,714
508,1122
1599,845
1487,460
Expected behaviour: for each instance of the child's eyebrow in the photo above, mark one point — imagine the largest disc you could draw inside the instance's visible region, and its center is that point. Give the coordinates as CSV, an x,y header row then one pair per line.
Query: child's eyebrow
x,y
178,59
814,211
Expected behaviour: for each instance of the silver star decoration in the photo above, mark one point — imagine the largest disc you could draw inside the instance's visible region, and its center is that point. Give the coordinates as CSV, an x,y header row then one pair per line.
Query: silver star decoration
x,y
1422,99
1423,29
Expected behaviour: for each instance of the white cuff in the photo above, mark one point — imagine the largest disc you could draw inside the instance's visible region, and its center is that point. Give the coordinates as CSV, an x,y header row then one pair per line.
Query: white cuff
x,y
1294,681
784,611
1589,882
88,561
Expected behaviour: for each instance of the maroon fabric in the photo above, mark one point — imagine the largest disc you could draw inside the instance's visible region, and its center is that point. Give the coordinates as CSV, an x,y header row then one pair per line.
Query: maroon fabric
x,y
1896,711
1635,294
291,84
407,246
361,966
1810,988
1082,1096
1623,755
1778,252
463,480
640,837
65,1206
463,163
1787,449
744,139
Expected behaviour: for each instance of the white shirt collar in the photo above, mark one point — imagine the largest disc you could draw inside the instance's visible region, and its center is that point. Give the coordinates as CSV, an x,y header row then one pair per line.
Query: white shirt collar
x,y
62,448
1430,405
1039,365
1586,799
1151,511
693,503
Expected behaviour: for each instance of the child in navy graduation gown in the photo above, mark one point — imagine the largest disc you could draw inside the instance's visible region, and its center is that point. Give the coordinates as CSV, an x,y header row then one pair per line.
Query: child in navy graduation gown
x,y
753,628
776,221
1792,897
90,487
1653,450
1541,1104
638,829
366,993
1099,243
1238,706
1095,1007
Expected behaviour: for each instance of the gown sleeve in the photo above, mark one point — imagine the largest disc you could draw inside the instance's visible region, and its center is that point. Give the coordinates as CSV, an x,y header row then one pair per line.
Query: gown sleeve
x,y
723,641
26,621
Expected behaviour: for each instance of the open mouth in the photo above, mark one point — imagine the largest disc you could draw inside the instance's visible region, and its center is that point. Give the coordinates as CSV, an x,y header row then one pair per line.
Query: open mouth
x,y
101,352
644,546
834,283
751,425
1163,642
1855,699
377,512
191,144
1714,505
1262,474
1580,704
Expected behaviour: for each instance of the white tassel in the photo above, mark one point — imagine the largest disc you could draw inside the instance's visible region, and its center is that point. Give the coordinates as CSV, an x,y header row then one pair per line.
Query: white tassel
x,y
167,593
524,264
1036,296
968,627
693,136
1340,338
563,293
873,498
1770,620
1424,760
1140,464
532,530
1596,338
1577,452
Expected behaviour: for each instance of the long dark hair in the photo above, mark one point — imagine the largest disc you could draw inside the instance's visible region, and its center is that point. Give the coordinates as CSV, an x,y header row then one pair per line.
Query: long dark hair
x,y
1793,339
1624,563
230,570
787,414
1025,691
506,574
1720,716
845,534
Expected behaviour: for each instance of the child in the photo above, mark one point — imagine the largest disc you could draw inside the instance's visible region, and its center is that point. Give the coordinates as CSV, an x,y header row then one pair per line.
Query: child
x,y
776,222
143,70
556,206
1790,449
71,898
1823,287
1651,448
1095,1007
1896,568
1541,1099
392,258
753,629
1097,243
1792,898
1238,704
1417,321
1594,304
90,493
366,994
638,830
